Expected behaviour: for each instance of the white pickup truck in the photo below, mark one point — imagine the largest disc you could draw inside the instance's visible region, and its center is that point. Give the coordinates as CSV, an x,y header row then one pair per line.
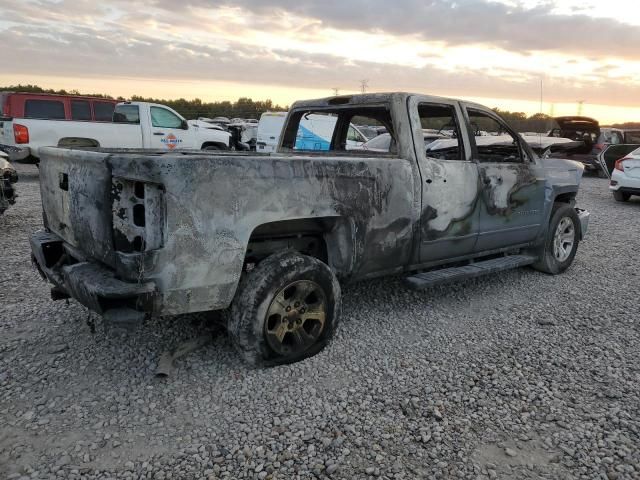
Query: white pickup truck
x,y
135,125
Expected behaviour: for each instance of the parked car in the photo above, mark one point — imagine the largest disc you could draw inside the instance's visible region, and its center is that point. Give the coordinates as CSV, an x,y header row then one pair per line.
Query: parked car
x,y
134,125
587,131
625,178
8,176
269,131
314,133
273,237
384,143
47,106
43,106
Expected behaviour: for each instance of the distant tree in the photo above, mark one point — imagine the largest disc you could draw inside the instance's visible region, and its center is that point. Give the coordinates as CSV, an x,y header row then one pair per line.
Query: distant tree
x,y
190,109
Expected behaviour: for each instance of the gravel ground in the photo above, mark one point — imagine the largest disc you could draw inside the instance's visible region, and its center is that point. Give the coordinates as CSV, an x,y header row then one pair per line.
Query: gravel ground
x,y
518,375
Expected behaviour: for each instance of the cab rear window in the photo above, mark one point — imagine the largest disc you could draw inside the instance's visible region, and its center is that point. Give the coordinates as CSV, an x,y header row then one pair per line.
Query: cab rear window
x,y
103,111
44,109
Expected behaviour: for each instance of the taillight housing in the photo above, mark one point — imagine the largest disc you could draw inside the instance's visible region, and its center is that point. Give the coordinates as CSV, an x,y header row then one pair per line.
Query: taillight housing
x,y
138,214
619,165
20,133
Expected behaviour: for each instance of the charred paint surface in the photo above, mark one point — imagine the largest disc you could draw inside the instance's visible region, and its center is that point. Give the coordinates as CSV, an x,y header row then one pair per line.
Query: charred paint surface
x,y
182,222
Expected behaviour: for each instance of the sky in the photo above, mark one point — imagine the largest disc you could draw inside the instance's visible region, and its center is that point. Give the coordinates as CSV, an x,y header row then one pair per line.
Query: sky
x,y
502,53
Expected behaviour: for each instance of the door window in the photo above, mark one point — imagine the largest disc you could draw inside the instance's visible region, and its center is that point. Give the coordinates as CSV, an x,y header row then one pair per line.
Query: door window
x,y
355,136
163,118
80,110
494,141
440,131
103,111
127,114
44,109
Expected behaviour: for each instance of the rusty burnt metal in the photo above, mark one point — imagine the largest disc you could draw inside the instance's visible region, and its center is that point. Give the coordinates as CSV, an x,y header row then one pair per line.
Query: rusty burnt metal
x,y
172,233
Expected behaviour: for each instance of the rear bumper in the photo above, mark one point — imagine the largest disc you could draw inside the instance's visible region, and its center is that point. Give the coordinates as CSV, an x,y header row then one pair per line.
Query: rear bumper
x,y
16,154
583,215
91,284
624,183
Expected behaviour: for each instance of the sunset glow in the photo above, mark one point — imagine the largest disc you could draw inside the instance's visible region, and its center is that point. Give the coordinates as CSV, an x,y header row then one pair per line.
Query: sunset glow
x,y
495,52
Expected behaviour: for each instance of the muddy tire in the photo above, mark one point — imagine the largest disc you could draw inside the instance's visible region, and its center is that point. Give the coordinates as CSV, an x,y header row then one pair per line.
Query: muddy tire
x,y
621,196
285,310
561,242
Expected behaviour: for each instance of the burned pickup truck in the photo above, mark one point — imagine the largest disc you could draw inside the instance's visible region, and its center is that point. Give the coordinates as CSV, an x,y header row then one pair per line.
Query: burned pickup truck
x,y
271,237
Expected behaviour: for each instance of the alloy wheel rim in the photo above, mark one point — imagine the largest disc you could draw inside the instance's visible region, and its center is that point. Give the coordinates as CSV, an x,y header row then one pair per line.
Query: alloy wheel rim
x,y
296,318
564,239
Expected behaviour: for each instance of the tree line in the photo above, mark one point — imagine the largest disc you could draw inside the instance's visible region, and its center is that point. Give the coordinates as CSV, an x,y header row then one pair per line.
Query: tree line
x,y
190,109
248,108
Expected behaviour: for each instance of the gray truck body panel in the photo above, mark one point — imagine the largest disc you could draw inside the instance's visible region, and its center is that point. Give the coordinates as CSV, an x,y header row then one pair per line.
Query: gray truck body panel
x,y
379,215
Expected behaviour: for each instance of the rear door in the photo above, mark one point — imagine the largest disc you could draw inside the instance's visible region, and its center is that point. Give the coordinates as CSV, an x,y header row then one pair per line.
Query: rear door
x,y
449,219
512,183
167,132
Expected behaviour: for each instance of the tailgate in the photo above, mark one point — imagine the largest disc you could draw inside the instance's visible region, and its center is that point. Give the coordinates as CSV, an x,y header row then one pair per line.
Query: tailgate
x,y
76,199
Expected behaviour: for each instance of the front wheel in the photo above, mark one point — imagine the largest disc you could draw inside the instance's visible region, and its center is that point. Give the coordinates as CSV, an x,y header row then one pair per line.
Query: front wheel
x,y
561,241
621,196
285,310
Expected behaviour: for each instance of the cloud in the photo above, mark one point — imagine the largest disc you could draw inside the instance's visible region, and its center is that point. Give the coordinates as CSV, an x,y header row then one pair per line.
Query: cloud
x,y
194,42
512,27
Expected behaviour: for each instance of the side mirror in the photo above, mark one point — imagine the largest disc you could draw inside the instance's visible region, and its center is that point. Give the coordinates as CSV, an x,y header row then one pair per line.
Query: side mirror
x,y
185,125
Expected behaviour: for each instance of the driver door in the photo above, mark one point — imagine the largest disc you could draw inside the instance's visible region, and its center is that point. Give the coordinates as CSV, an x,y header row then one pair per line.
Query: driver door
x,y
449,219
513,184
167,132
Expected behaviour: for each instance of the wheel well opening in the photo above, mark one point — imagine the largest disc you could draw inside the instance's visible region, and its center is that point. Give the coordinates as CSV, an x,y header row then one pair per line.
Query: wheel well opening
x,y
78,142
568,198
306,236
220,145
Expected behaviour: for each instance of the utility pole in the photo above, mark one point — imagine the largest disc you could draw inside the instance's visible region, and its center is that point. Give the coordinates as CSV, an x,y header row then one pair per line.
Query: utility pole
x,y
364,85
336,91
580,107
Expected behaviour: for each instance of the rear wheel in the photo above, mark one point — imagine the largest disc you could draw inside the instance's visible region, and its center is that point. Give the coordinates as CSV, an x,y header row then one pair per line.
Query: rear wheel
x,y
621,196
285,310
561,242
212,147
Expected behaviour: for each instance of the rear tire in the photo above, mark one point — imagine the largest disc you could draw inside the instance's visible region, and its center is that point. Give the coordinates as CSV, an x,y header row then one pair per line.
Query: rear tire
x,y
561,241
212,147
285,310
621,196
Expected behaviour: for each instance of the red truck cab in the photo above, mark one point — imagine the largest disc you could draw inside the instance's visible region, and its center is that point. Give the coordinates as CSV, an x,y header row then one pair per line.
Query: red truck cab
x,y
56,107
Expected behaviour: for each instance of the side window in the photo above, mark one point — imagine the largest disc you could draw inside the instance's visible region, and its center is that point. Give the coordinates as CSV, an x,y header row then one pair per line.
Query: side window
x,y
80,110
494,142
126,114
333,130
163,118
44,109
616,138
441,131
355,136
103,111
315,132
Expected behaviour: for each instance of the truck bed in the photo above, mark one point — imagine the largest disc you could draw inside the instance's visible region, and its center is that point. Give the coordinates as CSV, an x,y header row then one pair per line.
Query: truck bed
x,y
184,220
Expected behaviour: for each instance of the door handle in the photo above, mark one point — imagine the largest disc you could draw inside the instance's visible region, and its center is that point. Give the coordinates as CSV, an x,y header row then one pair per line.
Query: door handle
x,y
158,133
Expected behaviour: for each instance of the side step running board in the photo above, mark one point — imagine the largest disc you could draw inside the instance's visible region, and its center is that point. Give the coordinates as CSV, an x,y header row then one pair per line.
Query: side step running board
x,y
426,280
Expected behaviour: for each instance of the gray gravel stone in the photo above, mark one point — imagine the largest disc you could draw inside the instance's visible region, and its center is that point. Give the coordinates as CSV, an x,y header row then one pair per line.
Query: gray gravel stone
x,y
415,385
